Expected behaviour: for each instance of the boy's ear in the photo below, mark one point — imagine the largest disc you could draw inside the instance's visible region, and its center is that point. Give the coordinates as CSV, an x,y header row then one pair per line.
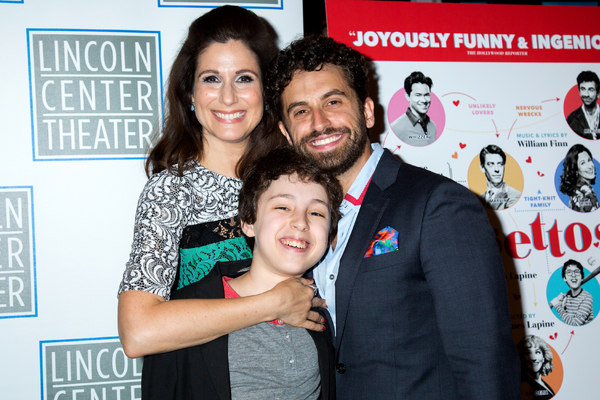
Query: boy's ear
x,y
248,229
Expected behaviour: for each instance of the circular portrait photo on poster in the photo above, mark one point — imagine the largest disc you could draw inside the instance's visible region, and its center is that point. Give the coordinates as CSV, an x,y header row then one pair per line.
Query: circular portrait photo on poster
x,y
541,369
496,178
571,291
575,180
415,114
581,106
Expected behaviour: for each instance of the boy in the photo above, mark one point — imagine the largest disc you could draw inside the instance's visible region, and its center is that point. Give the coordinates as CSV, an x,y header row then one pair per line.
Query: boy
x,y
291,209
576,307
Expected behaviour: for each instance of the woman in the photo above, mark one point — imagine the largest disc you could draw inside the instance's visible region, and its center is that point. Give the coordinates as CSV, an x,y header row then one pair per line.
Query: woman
x,y
186,215
578,176
536,361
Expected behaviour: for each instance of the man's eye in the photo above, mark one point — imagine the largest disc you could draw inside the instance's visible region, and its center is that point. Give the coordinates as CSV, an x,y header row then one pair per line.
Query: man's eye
x,y
300,112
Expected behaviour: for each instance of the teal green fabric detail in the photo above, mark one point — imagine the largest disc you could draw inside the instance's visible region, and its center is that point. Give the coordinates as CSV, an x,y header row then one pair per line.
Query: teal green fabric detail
x,y
196,262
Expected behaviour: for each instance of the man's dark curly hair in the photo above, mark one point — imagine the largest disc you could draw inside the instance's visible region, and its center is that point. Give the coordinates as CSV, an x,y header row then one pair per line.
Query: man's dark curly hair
x,y
588,76
284,161
311,54
416,77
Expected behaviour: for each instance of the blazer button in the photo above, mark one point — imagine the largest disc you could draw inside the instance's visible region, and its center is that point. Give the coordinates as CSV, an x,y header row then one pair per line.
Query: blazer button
x,y
340,368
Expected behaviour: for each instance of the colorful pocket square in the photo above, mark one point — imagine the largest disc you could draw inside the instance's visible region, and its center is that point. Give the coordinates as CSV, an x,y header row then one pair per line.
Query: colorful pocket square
x,y
385,241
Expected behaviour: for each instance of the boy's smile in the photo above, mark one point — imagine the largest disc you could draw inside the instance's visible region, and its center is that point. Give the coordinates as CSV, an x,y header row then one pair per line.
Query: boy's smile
x,y
291,228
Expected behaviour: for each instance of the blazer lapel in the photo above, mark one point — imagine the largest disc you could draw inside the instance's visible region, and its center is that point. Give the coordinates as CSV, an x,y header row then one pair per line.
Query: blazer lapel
x,y
371,210
214,352
324,347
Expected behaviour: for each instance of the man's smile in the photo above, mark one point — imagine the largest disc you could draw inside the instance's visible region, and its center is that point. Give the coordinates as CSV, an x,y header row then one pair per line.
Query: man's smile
x,y
324,141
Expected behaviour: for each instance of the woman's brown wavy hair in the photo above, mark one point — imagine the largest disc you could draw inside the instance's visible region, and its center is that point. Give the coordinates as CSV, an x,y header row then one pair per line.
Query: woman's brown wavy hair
x,y
181,138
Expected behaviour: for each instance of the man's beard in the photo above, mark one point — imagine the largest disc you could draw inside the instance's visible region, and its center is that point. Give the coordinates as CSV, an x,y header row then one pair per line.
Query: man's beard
x,y
341,159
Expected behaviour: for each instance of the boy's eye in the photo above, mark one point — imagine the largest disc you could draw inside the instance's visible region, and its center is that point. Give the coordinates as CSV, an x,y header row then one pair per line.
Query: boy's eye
x,y
317,214
281,208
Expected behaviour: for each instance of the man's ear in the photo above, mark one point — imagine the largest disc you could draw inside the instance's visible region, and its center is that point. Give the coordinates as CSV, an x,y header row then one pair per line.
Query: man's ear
x,y
481,168
248,229
369,111
285,132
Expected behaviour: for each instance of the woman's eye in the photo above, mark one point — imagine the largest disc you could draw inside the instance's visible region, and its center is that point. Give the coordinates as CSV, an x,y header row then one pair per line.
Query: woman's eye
x,y
210,79
245,79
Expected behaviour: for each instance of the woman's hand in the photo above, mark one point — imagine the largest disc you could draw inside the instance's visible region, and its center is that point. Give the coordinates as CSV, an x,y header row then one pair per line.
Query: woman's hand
x,y
294,300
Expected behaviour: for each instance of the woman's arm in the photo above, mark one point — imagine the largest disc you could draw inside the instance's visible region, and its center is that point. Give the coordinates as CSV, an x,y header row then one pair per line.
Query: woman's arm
x,y
149,324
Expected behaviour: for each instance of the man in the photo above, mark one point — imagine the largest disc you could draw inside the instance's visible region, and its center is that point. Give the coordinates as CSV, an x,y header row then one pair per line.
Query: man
x,y
585,119
498,195
414,284
576,306
415,127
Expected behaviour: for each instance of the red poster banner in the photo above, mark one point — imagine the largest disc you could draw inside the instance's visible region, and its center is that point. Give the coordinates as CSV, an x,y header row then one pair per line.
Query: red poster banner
x,y
394,31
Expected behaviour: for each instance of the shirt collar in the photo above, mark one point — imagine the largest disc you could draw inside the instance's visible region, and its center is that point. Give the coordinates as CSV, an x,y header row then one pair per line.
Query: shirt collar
x,y
594,113
357,191
232,294
414,119
494,189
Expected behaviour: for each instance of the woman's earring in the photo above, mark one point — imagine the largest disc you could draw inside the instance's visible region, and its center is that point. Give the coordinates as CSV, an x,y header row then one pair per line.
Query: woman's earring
x,y
192,106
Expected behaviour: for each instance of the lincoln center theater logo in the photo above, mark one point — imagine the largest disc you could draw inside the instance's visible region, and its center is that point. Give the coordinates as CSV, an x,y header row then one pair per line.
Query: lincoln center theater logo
x,y
89,369
213,3
17,265
94,94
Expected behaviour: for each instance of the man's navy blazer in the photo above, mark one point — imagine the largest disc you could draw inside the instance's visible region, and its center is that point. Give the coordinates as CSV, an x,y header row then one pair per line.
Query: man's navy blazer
x,y
429,321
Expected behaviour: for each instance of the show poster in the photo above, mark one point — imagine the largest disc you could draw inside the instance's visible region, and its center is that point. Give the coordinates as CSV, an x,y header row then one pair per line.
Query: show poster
x,y
504,115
